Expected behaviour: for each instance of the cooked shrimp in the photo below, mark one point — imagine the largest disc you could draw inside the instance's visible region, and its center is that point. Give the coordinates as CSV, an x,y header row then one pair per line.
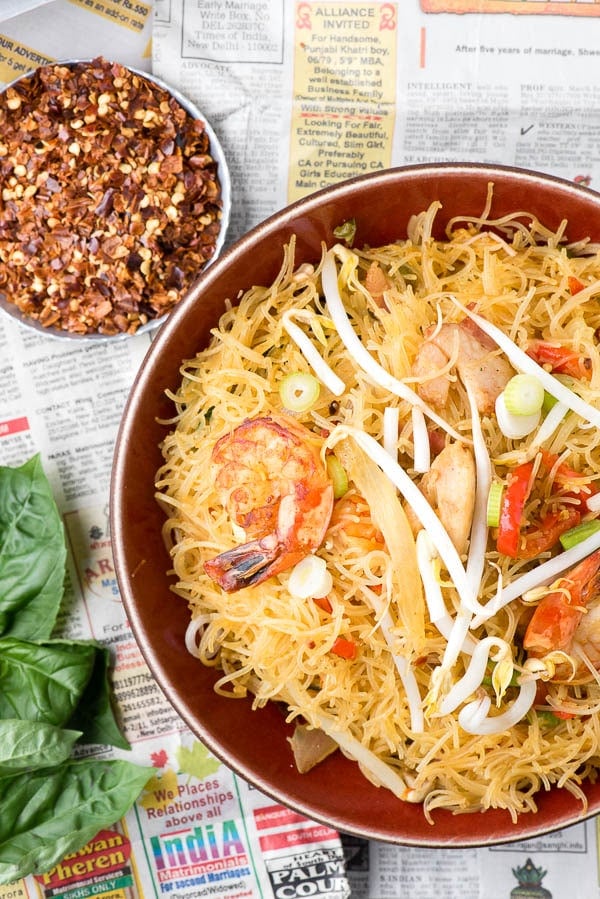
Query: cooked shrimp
x,y
351,518
271,479
449,486
474,359
568,619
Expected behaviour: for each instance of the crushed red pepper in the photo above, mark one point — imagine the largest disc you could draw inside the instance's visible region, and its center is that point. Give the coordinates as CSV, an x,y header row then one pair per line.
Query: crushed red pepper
x,y
110,200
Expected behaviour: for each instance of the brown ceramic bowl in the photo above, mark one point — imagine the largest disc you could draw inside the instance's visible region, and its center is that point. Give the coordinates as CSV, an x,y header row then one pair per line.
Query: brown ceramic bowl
x,y
254,743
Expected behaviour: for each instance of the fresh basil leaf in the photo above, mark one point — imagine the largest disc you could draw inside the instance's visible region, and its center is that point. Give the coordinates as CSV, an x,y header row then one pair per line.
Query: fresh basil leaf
x,y
94,714
44,681
52,812
32,552
26,744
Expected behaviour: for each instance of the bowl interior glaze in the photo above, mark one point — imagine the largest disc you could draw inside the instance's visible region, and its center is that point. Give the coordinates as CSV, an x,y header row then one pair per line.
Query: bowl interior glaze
x,y
254,744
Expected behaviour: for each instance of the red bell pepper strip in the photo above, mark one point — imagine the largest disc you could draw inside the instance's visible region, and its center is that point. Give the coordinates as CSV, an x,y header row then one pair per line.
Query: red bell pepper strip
x,y
561,359
323,603
511,510
564,716
575,285
545,535
344,648
566,474
528,544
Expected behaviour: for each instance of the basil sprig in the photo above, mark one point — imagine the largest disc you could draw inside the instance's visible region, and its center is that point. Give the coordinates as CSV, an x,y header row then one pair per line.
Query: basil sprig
x,y
53,694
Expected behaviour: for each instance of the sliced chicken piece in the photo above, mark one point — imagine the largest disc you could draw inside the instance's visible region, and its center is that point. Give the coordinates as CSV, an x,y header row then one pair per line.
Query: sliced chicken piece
x,y
475,358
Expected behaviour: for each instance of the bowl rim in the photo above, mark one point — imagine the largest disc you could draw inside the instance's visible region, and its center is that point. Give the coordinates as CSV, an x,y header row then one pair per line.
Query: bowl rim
x,y
15,314
527,826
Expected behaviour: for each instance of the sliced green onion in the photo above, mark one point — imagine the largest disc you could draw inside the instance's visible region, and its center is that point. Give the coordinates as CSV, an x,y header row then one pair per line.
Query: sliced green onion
x,y
547,719
494,504
338,475
299,391
568,382
524,395
549,402
579,533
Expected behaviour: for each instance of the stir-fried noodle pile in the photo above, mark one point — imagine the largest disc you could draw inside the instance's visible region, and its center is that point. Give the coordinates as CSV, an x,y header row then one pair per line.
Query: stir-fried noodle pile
x,y
447,645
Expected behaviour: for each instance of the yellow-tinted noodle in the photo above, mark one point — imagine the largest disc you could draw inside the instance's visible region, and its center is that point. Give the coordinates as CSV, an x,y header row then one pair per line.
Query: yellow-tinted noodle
x,y
271,645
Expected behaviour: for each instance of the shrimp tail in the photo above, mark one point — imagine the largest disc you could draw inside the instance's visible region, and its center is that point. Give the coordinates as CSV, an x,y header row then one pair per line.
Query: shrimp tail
x,y
248,564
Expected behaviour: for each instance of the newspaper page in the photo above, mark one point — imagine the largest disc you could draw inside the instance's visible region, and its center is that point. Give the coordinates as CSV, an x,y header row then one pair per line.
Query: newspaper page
x,y
301,95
